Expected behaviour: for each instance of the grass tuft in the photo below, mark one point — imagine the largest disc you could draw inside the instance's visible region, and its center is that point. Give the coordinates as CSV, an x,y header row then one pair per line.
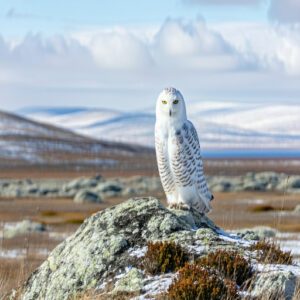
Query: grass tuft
x,y
270,253
196,282
230,264
164,257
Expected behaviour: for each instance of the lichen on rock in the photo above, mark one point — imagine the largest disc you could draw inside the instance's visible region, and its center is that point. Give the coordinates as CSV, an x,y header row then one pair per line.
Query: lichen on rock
x,y
115,239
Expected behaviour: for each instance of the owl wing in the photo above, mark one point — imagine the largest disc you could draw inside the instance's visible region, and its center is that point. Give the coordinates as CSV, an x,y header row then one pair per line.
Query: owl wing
x,y
163,163
188,167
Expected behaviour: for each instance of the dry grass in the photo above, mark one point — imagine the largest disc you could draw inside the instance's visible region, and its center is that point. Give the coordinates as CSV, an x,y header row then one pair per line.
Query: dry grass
x,y
196,282
297,292
57,218
270,253
163,257
230,264
13,273
39,209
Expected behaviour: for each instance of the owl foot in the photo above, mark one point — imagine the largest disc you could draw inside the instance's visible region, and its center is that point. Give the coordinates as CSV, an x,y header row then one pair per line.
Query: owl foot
x,y
179,206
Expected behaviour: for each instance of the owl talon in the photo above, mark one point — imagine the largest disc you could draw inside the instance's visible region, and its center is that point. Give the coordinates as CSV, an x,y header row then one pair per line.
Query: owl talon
x,y
184,207
179,206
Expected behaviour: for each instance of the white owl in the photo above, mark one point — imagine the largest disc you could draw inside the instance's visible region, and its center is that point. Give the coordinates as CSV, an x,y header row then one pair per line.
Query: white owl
x,y
178,155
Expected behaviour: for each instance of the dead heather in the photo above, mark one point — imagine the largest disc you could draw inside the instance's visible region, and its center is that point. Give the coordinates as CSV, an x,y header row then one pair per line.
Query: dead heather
x,y
269,252
164,257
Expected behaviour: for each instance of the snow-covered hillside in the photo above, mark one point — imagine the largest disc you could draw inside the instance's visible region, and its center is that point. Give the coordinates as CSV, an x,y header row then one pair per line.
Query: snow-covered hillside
x,y
221,125
25,141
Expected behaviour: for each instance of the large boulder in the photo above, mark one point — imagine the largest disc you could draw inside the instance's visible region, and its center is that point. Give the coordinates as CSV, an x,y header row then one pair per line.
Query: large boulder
x,y
103,244
107,249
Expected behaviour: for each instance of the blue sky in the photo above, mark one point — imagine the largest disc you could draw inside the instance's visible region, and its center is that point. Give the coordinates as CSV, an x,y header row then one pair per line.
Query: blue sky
x,y
119,54
21,16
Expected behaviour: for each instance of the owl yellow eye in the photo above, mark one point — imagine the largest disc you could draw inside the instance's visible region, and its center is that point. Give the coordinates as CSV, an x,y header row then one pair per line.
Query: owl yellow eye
x,y
164,102
175,101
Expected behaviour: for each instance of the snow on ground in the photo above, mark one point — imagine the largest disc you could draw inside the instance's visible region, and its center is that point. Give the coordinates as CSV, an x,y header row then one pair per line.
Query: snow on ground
x,y
138,252
266,268
290,241
22,253
155,285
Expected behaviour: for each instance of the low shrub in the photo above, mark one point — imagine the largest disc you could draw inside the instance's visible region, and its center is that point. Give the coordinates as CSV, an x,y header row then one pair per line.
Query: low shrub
x,y
270,253
230,264
196,282
164,257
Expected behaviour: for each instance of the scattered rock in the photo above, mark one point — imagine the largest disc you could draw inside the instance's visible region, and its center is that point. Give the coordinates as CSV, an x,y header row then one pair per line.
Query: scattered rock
x,y
12,230
82,183
85,196
250,185
142,185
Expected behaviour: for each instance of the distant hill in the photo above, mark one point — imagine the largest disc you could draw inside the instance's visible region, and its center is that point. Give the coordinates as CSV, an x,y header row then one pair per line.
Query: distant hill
x,y
27,142
225,126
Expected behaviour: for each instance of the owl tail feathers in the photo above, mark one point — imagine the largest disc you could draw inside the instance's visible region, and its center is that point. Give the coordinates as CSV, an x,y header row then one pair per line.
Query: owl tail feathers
x,y
202,207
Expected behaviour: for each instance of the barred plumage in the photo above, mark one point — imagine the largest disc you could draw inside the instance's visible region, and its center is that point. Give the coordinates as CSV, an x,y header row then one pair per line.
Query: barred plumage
x,y
178,154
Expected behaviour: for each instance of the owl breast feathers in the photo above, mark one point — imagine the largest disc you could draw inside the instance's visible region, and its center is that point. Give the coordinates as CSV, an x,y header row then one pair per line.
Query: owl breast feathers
x,y
181,168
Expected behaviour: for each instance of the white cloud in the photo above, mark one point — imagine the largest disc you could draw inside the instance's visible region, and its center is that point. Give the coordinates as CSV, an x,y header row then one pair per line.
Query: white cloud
x,y
119,64
193,46
119,49
275,48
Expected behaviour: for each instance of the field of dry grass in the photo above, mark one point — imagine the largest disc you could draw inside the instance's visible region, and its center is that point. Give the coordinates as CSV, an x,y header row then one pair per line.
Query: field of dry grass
x,y
19,256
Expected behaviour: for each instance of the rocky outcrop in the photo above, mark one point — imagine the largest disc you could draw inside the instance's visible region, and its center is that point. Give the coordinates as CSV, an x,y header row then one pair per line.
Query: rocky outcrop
x,y
108,247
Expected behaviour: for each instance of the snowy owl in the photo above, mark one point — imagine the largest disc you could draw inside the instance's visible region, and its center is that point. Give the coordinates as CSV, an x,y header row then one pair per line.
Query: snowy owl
x,y
178,155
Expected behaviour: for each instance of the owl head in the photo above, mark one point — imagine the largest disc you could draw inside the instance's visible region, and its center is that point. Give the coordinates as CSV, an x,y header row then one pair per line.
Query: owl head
x,y
170,104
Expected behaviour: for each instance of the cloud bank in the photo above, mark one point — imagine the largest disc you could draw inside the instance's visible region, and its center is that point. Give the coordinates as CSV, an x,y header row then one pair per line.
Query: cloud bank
x,y
118,64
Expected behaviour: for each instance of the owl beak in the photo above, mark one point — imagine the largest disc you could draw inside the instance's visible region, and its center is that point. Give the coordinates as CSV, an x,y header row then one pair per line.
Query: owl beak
x,y
170,113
